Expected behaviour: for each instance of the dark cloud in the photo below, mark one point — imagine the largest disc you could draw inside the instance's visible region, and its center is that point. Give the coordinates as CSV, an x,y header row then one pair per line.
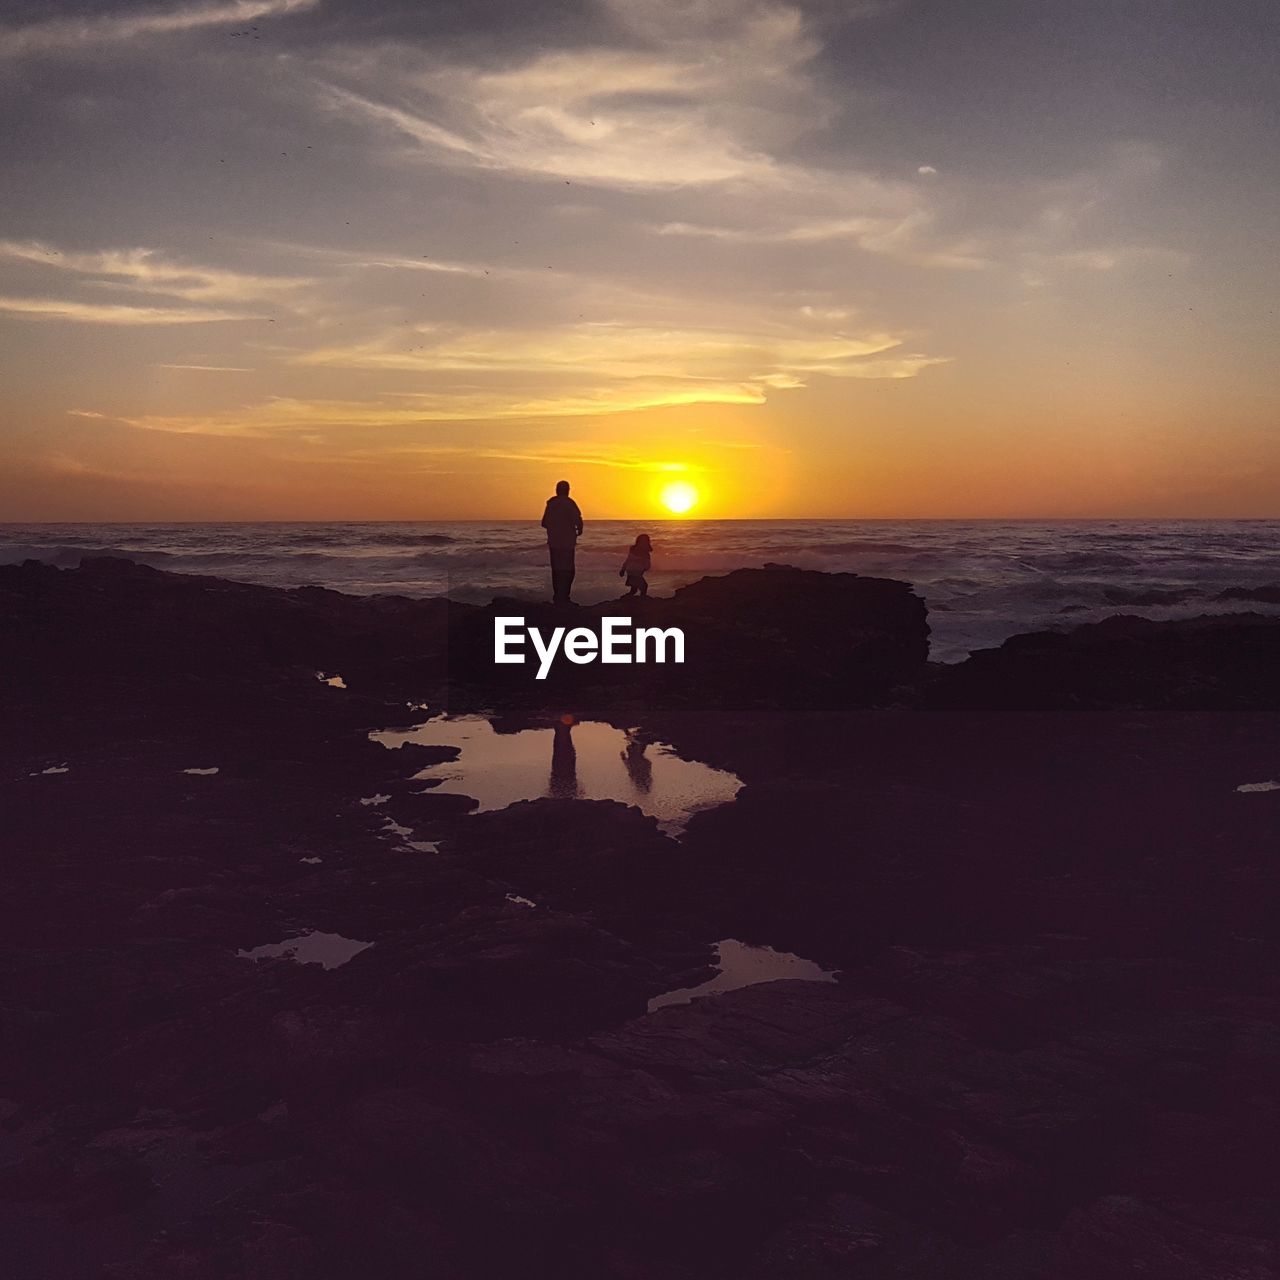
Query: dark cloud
x,y
1005,85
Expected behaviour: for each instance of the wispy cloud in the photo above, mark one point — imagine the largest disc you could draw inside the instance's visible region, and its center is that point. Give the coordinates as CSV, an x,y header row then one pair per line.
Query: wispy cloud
x,y
560,454
392,263
907,238
106,313
286,416
69,34
611,351
666,108
597,369
1040,269
690,95
216,293
1060,231
513,372
208,368
700,105
150,271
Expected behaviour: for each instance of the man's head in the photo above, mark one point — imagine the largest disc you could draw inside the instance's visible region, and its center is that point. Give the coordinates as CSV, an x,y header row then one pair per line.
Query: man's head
x,y
562,488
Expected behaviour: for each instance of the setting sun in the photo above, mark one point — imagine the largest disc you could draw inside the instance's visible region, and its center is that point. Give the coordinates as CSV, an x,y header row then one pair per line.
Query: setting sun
x,y
679,497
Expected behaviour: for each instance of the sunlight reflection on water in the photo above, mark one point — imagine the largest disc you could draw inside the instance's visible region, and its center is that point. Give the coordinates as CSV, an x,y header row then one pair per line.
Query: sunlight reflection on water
x,y
588,760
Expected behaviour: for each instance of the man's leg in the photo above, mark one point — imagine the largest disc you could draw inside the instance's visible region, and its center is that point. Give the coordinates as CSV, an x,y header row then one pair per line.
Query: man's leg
x,y
561,573
555,574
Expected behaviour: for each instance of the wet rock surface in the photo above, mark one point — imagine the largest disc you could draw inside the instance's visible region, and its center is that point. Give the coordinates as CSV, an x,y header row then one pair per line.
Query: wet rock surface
x,y
1052,1050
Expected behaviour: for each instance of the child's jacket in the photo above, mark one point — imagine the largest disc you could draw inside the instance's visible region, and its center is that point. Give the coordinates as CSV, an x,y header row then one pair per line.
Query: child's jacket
x,y
637,561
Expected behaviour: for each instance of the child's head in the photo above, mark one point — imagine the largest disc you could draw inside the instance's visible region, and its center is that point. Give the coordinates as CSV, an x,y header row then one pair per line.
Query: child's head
x,y
643,541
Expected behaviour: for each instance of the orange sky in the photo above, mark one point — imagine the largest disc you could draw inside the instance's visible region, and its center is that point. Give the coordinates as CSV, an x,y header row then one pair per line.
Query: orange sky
x,y
371,266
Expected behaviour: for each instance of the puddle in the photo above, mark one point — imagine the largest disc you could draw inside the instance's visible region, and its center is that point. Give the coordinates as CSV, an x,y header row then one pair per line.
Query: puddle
x,y
334,682
53,768
418,846
202,773
331,950
1244,786
584,761
745,966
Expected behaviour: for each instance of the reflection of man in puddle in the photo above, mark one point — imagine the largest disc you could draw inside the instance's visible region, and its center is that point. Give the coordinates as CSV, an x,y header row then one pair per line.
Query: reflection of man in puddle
x,y
564,761
638,765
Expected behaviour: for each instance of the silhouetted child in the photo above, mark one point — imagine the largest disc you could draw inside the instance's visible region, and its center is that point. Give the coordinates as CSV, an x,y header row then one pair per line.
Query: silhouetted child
x,y
636,565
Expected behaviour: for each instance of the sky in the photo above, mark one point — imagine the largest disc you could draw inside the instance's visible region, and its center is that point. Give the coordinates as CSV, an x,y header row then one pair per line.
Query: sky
x,y
386,259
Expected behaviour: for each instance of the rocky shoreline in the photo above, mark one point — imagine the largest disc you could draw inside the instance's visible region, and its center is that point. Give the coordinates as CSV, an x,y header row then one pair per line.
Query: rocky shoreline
x,y
1051,1052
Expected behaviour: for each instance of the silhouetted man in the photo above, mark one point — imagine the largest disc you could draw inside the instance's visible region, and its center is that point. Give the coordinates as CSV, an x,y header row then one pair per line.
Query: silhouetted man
x,y
563,522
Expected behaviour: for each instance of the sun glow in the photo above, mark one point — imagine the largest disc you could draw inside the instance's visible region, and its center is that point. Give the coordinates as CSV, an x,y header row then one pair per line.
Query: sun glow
x,y
679,497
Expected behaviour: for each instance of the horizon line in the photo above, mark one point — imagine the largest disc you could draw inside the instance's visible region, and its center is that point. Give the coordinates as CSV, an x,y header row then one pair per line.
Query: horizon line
x,y
670,521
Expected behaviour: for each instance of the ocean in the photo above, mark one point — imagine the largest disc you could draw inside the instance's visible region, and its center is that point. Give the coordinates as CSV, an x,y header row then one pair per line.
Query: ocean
x,y
983,580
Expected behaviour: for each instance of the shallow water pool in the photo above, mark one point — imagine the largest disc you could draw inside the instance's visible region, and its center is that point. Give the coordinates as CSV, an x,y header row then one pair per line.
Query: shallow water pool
x,y
330,950
586,760
742,965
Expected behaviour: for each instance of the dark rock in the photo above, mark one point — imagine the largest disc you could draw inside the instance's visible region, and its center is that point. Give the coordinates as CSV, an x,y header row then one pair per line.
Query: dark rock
x,y
754,637
1051,1051
1211,662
